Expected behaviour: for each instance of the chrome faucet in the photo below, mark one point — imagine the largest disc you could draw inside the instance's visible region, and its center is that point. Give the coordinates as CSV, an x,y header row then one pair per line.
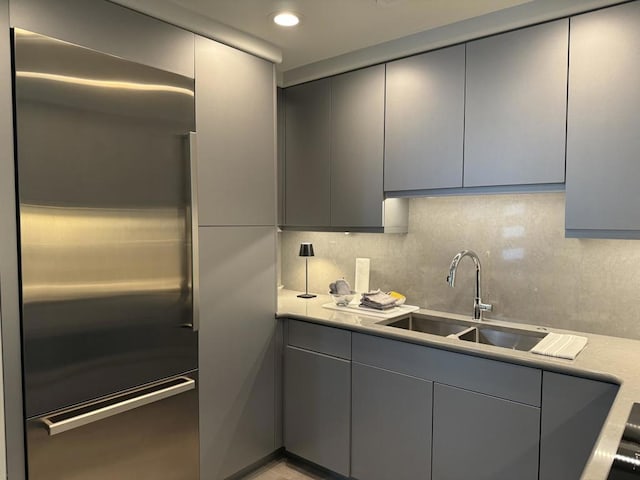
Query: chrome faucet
x,y
478,306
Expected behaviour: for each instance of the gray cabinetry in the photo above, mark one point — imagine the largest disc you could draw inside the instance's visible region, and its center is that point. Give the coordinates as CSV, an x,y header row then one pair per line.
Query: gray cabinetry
x,y
317,408
391,425
308,154
235,118
357,143
515,114
237,355
500,379
482,437
603,145
334,148
424,121
573,413
109,28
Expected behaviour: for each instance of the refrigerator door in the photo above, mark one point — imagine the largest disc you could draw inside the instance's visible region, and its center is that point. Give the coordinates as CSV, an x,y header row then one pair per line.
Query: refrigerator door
x,y
149,433
105,222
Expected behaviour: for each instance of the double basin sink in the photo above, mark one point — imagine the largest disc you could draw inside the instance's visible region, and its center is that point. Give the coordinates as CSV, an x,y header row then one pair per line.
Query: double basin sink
x,y
499,336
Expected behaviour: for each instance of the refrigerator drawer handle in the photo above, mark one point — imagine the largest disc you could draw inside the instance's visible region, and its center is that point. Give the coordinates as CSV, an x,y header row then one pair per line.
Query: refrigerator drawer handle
x,y
56,427
195,256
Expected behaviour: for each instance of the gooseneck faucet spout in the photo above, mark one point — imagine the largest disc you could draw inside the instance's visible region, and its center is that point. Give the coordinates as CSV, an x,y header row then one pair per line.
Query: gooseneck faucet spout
x,y
478,306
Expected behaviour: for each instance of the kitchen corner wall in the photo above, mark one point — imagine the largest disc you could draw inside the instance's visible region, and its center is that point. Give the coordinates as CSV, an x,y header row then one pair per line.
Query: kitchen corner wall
x,y
531,272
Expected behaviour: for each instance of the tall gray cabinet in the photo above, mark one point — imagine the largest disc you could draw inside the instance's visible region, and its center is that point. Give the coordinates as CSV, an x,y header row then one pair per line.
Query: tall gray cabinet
x,y
235,119
515,107
424,121
603,145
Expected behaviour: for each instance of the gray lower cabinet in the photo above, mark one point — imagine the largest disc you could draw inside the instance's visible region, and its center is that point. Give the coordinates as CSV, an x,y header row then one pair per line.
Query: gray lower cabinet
x,y
235,119
573,412
237,348
307,154
424,121
317,408
391,423
515,108
482,437
603,145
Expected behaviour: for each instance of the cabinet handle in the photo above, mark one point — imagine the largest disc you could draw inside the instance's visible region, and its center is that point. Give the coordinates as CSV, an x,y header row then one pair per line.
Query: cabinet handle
x,y
62,422
195,256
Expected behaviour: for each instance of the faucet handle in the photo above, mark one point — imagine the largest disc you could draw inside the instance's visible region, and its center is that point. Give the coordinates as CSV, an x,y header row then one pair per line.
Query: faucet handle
x,y
485,307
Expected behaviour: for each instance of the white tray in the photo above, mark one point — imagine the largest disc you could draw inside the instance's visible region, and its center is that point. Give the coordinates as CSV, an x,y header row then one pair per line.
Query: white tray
x,y
358,310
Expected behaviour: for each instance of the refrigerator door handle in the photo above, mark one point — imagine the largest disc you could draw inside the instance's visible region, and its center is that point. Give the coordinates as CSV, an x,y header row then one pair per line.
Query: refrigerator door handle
x,y
59,423
195,256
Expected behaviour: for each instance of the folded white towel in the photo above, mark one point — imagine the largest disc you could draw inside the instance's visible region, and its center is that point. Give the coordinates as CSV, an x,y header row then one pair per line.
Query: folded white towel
x,y
561,346
379,298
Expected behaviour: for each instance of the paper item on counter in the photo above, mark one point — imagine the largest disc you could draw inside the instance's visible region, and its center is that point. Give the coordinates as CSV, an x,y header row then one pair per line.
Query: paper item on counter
x,y
358,310
363,266
560,346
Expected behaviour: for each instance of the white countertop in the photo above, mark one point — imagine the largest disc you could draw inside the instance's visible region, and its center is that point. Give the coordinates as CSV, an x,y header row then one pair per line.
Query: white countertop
x,y
610,359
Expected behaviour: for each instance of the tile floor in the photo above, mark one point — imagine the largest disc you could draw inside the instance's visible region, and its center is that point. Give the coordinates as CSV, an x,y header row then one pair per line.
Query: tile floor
x,y
284,469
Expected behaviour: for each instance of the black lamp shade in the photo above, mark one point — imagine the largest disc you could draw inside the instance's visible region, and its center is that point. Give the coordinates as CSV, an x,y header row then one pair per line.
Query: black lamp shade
x,y
306,250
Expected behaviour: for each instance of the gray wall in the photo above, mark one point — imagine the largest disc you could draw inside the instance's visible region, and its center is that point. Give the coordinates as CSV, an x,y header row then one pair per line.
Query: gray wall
x,y
531,272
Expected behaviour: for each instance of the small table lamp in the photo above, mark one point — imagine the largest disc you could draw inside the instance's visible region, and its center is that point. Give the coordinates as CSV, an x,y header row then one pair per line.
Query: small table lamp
x,y
306,251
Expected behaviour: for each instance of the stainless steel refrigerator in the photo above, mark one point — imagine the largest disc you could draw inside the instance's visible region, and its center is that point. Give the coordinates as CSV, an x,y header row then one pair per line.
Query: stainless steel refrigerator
x,y
108,248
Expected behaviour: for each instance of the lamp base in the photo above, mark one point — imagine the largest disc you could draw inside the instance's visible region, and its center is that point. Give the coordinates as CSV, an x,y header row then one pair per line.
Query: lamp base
x,y
307,295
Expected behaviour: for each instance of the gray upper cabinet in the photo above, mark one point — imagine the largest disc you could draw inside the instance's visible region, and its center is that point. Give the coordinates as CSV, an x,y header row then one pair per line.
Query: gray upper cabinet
x,y
308,154
482,437
424,125
603,144
516,97
237,351
235,119
357,143
334,148
109,28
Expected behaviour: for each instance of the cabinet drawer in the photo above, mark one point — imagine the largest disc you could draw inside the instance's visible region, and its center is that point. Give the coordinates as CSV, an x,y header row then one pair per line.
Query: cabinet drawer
x,y
318,338
491,377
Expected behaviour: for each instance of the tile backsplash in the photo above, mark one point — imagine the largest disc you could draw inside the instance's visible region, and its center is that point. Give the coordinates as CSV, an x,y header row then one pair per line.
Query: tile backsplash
x,y
531,272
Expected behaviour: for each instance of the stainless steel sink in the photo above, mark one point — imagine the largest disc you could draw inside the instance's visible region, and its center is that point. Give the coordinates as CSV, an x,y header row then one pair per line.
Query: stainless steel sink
x,y
498,336
430,325
503,337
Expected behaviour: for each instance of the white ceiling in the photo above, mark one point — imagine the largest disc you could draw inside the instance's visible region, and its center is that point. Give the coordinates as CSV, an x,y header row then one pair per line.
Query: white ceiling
x,y
334,27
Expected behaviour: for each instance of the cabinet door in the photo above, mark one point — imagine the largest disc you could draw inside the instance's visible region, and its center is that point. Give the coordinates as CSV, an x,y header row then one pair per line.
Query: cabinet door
x,y
391,425
109,28
235,120
237,348
482,437
308,154
424,121
603,145
357,143
516,101
573,413
317,408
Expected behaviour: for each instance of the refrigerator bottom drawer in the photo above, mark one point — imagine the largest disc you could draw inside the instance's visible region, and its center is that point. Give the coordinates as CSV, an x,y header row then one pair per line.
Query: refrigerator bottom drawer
x,y
151,433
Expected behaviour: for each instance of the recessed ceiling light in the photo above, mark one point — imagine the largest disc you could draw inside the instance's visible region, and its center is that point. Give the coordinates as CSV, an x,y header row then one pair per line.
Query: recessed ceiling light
x,y
286,19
